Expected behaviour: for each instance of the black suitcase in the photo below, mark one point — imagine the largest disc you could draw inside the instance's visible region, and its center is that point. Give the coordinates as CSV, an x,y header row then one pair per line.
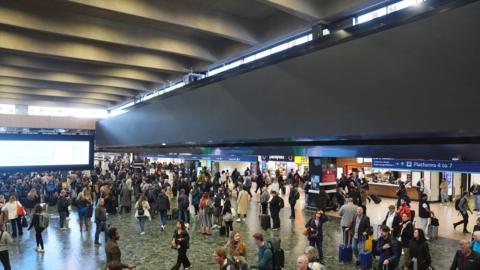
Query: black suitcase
x,y
376,199
265,222
223,230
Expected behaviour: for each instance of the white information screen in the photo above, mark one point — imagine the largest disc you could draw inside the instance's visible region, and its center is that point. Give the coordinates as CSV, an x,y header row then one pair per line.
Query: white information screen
x,y
43,153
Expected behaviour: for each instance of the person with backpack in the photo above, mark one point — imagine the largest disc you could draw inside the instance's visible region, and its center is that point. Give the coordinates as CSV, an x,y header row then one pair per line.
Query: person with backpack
x,y
276,204
142,212
265,255
462,206
314,229
183,204
292,200
39,222
5,241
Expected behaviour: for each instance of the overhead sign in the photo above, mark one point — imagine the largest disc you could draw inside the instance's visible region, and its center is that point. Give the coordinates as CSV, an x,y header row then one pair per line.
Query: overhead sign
x,y
427,165
277,158
203,157
301,160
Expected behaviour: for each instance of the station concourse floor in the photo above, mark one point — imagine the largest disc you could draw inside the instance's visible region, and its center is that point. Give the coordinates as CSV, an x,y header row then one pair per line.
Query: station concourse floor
x,y
72,250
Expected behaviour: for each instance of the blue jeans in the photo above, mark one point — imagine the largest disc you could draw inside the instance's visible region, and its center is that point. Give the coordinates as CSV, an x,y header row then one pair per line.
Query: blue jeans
x,y
355,244
183,215
163,217
476,198
141,221
101,227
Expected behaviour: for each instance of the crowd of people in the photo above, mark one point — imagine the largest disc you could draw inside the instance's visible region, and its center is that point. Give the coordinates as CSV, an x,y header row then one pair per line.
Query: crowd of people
x,y
218,201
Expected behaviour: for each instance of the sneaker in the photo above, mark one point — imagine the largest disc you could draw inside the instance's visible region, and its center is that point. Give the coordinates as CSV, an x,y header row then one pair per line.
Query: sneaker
x,y
64,229
142,233
42,250
97,244
67,218
37,249
239,220
162,228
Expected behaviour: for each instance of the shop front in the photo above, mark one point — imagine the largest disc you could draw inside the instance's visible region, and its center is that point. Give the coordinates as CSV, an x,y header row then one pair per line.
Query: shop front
x,y
284,164
386,174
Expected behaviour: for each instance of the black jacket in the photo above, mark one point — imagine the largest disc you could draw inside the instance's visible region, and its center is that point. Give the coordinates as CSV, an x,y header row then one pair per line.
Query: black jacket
x,y
406,234
473,262
163,202
276,204
397,221
62,204
316,231
364,226
420,251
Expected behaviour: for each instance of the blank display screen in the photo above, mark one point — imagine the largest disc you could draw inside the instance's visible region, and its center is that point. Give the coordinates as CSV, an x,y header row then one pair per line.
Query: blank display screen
x,y
24,153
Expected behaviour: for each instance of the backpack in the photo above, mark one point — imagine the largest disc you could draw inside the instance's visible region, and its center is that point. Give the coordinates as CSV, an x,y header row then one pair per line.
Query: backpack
x,y
457,204
43,220
278,255
141,211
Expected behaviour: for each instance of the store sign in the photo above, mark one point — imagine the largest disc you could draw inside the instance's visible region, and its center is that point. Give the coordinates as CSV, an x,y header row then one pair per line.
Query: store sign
x,y
277,158
301,159
426,165
204,157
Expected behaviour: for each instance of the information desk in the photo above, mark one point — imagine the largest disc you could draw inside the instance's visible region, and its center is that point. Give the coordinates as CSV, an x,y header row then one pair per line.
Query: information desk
x,y
390,190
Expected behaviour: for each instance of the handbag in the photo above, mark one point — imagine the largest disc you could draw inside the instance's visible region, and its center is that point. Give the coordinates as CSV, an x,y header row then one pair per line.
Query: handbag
x,y
20,210
434,221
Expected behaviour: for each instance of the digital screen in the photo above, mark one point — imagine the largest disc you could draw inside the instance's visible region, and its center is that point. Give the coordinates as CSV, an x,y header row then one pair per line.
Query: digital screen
x,y
28,153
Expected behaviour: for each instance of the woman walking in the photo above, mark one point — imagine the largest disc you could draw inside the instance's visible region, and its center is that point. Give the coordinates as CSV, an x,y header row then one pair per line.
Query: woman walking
x,y
181,242
142,212
37,215
206,210
5,241
32,200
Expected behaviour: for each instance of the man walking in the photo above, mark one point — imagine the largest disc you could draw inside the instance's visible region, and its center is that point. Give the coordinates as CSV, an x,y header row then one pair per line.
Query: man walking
x,y
359,229
292,200
463,208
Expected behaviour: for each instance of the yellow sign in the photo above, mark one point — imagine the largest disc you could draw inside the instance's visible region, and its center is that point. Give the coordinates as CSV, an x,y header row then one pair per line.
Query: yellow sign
x,y
301,160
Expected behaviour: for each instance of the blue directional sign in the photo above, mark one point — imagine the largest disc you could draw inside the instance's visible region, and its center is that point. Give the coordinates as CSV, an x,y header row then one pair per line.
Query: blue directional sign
x,y
426,165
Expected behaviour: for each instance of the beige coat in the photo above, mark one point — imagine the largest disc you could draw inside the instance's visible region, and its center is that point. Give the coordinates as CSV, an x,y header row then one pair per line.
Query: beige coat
x,y
242,202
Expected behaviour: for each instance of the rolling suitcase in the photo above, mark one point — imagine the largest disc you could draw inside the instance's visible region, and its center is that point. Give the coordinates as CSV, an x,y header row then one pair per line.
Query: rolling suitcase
x,y
265,222
345,249
432,232
375,199
366,258
223,230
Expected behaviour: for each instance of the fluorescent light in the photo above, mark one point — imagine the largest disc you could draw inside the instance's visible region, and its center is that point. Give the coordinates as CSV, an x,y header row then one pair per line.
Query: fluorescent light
x,y
372,15
402,4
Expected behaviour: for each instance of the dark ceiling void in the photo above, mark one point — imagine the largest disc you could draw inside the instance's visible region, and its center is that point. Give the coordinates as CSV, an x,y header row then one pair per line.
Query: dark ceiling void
x,y
418,81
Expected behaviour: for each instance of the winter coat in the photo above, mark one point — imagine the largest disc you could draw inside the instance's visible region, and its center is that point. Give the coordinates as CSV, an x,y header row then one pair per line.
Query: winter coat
x,y
242,202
